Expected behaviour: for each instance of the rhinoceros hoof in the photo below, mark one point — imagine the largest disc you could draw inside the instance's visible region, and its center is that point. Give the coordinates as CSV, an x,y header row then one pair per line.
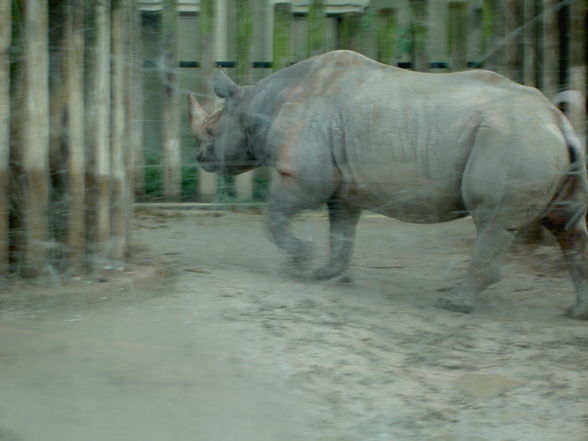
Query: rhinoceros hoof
x,y
455,303
329,275
579,311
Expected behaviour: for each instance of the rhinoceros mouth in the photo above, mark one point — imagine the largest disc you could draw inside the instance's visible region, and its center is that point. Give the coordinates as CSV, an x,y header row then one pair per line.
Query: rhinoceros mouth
x,y
210,167
227,168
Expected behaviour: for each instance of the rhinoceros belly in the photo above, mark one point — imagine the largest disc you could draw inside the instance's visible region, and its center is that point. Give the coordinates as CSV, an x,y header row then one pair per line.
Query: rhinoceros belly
x,y
417,202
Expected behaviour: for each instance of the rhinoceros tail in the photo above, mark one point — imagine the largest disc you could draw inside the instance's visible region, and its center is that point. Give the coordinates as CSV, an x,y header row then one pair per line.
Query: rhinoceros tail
x,y
577,154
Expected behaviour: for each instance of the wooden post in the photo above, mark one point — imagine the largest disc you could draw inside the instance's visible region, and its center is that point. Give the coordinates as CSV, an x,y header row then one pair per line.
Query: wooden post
x,y
577,56
34,139
420,32
171,118
99,130
350,31
73,70
119,196
457,35
137,102
550,70
317,36
282,36
244,182
134,112
5,40
207,181
530,37
386,28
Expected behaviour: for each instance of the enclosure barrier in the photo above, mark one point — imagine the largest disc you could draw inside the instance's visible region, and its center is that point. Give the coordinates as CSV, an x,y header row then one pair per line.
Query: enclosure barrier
x,y
77,93
69,129
541,43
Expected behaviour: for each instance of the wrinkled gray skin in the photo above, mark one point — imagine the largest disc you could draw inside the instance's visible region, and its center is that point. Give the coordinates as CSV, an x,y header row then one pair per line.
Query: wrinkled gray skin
x,y
355,134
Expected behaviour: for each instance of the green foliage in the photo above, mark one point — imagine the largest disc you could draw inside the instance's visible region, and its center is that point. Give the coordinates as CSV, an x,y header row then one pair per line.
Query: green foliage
x,y
225,188
189,182
261,186
153,177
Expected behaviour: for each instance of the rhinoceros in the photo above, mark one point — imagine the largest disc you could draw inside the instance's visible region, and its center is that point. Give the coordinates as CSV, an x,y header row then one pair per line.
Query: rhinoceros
x,y
343,130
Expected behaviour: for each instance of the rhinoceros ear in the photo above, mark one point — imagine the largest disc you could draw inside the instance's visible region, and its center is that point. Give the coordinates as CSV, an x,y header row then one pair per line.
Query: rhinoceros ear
x,y
224,87
197,113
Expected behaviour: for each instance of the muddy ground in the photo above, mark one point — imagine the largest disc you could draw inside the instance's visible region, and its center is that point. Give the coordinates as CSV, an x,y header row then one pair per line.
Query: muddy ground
x,y
204,339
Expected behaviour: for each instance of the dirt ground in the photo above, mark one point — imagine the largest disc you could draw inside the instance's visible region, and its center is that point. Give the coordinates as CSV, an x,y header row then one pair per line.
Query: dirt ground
x,y
205,339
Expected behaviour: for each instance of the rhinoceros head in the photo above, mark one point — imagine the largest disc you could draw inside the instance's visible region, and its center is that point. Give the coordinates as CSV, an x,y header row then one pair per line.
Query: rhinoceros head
x,y
223,142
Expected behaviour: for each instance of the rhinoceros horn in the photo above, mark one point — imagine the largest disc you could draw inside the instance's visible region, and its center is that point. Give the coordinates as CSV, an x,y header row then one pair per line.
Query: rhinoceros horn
x,y
197,113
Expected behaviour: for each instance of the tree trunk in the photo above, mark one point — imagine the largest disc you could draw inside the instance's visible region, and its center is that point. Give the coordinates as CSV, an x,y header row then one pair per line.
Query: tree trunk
x,y
119,196
73,69
137,102
34,140
98,120
5,40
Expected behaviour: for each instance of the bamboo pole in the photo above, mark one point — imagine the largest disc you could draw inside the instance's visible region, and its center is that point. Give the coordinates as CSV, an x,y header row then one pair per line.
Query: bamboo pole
x,y
550,68
386,29
5,40
577,73
207,181
420,34
172,163
119,196
98,138
282,36
244,182
317,37
457,35
73,69
34,139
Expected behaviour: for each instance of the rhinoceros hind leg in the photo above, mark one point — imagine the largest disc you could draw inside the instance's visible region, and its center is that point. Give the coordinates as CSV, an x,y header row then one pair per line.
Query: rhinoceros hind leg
x,y
343,219
483,271
573,241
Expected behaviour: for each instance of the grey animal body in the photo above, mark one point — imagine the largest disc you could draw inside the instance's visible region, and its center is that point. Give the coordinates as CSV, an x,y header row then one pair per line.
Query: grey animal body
x,y
355,134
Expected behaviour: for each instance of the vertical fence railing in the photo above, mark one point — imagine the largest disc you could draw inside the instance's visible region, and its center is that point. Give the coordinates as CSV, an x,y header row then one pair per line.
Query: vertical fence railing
x,y
171,118
207,18
244,182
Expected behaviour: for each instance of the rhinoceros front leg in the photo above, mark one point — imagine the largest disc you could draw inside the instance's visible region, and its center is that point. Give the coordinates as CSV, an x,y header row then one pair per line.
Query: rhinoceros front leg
x,y
278,224
343,219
